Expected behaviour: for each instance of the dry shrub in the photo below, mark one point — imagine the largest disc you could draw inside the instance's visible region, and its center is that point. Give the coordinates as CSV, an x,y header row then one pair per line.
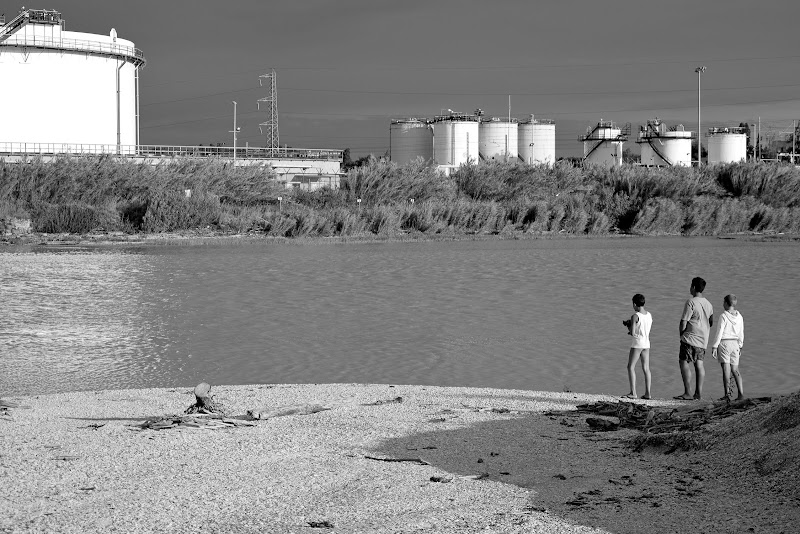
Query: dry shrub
x,y
171,211
658,217
73,218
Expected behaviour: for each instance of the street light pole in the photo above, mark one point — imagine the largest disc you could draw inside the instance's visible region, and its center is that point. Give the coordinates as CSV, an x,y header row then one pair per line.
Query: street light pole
x,y
234,131
699,71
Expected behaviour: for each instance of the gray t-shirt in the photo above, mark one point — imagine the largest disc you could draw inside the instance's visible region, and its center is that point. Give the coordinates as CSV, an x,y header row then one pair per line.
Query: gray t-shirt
x,y
696,313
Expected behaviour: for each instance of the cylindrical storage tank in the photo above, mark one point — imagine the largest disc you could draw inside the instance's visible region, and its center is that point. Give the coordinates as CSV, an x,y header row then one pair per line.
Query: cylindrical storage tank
x,y
67,91
607,153
668,148
498,139
537,142
726,147
410,139
455,139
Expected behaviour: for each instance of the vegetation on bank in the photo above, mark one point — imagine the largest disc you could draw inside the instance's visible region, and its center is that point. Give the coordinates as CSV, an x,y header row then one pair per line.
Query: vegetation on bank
x,y
79,195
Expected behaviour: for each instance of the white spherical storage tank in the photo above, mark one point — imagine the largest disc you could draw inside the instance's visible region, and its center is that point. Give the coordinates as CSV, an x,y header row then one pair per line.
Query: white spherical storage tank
x,y
537,141
498,139
66,91
455,139
726,146
410,139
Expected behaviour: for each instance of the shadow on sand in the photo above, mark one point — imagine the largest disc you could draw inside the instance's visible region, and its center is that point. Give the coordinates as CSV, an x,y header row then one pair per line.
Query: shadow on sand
x,y
585,477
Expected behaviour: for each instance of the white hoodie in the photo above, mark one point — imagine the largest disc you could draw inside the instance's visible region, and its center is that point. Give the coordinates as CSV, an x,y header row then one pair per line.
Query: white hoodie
x,y
731,326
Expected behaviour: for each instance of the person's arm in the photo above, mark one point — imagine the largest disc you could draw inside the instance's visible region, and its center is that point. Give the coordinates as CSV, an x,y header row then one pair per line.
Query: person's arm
x,y
632,323
741,332
718,337
711,320
687,314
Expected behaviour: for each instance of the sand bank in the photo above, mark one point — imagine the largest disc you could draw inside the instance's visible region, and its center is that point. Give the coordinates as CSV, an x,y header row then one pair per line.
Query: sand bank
x,y
470,460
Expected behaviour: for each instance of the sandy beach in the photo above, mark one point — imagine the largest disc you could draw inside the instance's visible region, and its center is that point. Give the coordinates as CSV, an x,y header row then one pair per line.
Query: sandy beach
x,y
384,458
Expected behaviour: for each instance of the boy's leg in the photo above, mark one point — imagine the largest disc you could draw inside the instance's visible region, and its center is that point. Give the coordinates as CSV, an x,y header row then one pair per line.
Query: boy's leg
x,y
686,372
633,356
699,377
646,370
738,378
726,379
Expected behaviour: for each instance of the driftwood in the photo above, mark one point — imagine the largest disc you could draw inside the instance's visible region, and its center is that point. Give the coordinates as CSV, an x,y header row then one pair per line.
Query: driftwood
x,y
204,402
204,422
208,414
658,420
395,400
299,409
418,461
671,427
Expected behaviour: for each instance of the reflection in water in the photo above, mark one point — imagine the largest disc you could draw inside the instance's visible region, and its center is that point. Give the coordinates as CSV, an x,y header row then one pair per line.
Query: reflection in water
x,y
540,314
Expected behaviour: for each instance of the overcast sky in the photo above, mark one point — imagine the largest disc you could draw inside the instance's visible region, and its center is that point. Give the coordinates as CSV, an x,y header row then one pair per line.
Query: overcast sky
x,y
346,67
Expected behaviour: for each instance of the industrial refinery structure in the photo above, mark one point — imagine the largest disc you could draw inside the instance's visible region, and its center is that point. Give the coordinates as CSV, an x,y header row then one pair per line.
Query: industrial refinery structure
x,y
73,93
602,145
727,145
665,146
77,90
453,139
65,92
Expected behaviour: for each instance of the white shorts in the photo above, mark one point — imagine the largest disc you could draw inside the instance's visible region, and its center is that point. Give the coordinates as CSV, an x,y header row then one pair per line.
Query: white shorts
x,y
728,351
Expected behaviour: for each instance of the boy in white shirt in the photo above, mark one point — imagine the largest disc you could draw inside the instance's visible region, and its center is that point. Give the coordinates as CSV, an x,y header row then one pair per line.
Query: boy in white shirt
x,y
728,344
639,328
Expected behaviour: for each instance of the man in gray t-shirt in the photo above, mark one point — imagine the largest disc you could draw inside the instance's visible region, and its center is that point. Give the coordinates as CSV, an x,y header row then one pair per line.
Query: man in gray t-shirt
x,y
696,323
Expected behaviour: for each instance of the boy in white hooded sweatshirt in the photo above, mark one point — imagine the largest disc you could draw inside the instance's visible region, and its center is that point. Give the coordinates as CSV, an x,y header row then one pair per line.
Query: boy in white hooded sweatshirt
x,y
728,344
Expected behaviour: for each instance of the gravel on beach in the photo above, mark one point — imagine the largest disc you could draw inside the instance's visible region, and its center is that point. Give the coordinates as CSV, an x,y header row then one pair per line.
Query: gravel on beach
x,y
385,458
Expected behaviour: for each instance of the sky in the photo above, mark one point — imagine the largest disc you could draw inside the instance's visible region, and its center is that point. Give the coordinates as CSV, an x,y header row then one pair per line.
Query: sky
x,y
345,68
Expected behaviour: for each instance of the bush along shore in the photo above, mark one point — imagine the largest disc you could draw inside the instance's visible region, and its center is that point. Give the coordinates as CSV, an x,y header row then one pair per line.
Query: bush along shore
x,y
88,194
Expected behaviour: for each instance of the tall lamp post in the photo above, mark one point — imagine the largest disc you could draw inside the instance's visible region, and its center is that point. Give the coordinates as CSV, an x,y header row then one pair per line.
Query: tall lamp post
x,y
234,131
699,71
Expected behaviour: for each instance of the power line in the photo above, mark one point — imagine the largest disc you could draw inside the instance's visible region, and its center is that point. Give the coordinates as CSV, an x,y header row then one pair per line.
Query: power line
x,y
480,67
560,93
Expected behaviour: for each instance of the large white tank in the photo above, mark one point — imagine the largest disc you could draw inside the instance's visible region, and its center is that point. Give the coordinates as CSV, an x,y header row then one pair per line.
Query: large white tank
x,y
665,147
726,145
603,144
410,139
537,141
455,139
498,139
66,91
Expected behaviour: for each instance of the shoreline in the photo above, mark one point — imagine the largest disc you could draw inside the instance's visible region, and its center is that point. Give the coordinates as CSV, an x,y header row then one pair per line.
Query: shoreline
x,y
202,238
491,460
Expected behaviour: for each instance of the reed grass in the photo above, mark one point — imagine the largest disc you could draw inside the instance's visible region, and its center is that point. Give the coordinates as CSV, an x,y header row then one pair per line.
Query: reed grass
x,y
79,195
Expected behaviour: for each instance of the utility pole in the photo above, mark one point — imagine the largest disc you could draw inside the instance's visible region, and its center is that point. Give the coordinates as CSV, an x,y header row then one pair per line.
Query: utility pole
x,y
759,138
699,71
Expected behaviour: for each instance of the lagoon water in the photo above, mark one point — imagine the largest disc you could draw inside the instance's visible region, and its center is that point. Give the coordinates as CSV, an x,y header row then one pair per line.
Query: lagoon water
x,y
531,314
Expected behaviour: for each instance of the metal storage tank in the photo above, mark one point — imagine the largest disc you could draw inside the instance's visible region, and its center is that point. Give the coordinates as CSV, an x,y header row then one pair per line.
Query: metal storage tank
x,y
537,141
410,139
727,145
602,145
67,91
455,139
662,146
498,139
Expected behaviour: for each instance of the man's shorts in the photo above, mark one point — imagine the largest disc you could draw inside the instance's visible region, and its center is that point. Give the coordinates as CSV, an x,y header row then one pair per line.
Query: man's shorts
x,y
690,353
728,351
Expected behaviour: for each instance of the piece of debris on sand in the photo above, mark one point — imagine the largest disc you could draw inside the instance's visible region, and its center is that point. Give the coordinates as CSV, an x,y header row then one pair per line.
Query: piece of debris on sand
x,y
208,414
671,427
204,402
299,409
